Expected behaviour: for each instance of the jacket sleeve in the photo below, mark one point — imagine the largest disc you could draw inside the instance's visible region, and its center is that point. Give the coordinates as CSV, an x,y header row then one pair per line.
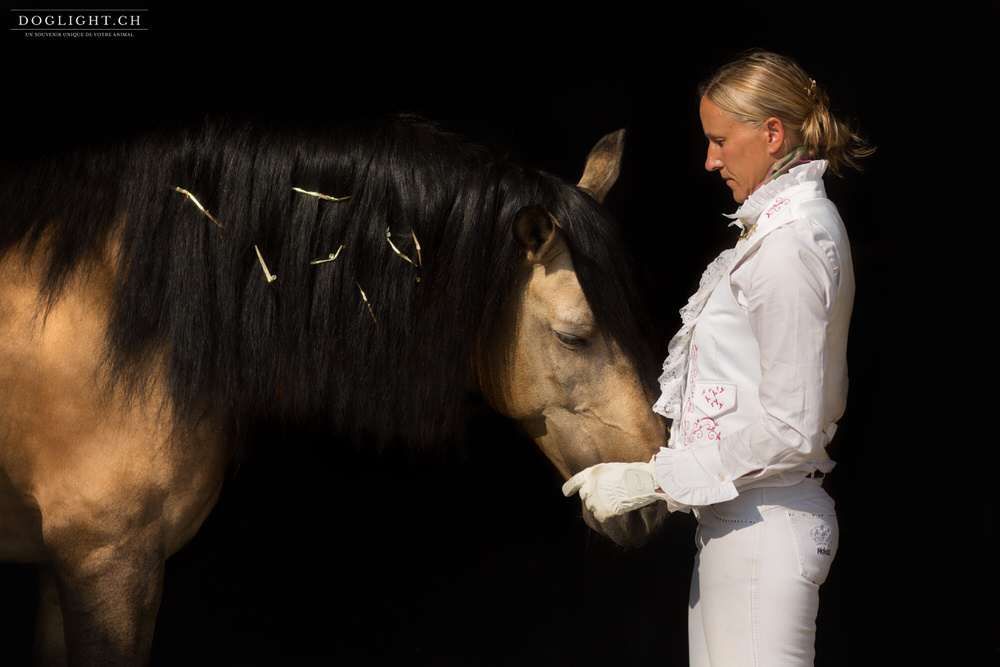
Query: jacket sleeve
x,y
787,289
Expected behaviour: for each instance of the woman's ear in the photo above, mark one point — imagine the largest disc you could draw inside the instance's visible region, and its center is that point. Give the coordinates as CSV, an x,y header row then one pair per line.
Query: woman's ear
x,y
776,136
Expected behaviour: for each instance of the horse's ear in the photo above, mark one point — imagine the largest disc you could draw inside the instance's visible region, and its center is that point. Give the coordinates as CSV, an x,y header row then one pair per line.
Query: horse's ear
x,y
603,165
537,233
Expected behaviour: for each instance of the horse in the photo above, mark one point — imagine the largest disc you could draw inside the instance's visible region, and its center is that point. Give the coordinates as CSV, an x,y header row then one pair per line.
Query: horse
x,y
166,291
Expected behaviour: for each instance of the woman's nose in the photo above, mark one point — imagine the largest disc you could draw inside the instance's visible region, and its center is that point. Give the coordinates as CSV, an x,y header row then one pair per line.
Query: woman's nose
x,y
712,161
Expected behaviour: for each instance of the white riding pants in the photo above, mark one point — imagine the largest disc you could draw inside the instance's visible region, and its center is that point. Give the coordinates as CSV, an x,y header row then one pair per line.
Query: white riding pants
x,y
755,590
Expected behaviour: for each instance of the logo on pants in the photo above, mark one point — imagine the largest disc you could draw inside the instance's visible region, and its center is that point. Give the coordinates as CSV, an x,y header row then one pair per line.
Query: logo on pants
x,y
822,535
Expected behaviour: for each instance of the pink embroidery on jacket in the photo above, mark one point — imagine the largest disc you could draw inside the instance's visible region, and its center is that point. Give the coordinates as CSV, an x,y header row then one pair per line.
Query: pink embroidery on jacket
x,y
713,397
706,428
691,429
778,204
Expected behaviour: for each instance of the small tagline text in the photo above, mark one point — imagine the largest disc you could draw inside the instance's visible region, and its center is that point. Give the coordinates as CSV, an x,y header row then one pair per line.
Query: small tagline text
x,y
78,23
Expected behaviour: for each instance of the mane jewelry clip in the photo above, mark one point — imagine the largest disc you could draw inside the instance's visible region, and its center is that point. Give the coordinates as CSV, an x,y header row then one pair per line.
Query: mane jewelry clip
x,y
270,278
198,204
320,195
365,297
416,244
330,258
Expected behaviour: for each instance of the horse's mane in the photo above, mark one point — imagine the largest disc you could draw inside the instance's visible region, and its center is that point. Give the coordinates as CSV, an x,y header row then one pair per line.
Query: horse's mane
x,y
370,342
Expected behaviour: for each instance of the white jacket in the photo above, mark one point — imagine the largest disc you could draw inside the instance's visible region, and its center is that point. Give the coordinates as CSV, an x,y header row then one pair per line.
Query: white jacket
x,y
757,377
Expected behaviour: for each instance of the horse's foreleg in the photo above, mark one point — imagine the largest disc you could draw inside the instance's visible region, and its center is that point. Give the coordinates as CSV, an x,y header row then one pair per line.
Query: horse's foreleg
x,y
50,642
109,592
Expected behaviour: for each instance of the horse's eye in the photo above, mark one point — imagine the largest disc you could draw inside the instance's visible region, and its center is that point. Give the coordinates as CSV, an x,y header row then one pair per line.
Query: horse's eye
x,y
575,342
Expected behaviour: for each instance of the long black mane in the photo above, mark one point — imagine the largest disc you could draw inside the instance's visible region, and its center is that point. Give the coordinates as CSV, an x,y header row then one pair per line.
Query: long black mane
x,y
373,343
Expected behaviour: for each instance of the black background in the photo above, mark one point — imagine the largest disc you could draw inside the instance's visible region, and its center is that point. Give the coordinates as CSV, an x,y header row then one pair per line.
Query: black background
x,y
323,559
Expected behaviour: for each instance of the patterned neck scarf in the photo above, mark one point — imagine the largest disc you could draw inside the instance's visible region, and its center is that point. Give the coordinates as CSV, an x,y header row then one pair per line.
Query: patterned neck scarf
x,y
794,158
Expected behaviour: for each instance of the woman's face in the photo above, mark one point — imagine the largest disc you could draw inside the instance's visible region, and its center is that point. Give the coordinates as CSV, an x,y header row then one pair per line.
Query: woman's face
x,y
740,152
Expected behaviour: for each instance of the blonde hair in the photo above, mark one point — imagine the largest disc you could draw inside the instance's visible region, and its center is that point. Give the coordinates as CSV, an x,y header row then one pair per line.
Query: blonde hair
x,y
760,85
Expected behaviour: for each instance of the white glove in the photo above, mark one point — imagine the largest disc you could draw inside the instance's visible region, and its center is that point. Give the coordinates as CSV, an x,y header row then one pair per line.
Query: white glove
x,y
610,489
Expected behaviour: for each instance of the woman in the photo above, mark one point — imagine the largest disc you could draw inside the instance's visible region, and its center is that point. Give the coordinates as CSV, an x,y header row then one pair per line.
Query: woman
x,y
756,378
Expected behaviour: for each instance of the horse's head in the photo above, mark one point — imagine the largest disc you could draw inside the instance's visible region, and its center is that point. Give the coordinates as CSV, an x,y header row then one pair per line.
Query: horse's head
x,y
564,378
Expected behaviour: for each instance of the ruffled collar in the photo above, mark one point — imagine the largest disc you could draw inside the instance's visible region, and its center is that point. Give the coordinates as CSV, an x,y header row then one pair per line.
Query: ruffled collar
x,y
746,215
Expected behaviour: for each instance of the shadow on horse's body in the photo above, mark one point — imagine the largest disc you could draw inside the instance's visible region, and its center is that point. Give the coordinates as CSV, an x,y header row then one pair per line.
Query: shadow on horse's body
x,y
160,293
